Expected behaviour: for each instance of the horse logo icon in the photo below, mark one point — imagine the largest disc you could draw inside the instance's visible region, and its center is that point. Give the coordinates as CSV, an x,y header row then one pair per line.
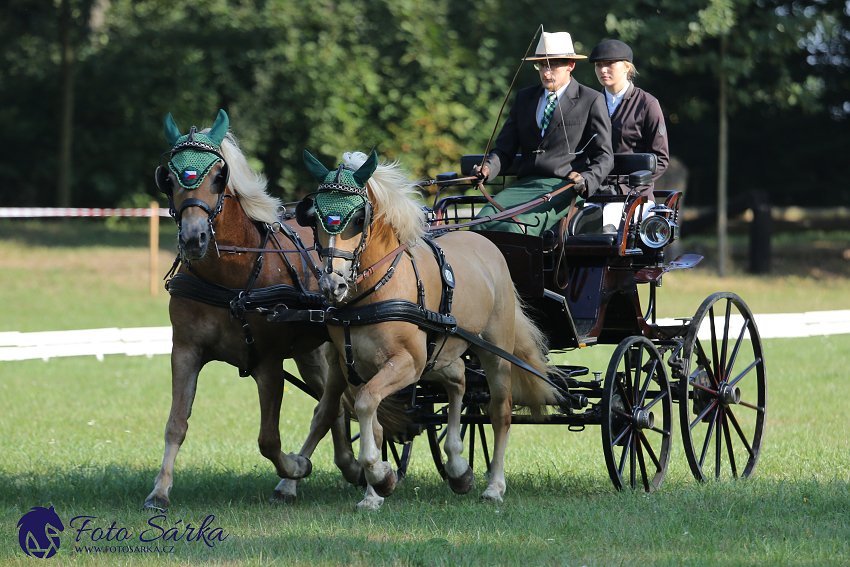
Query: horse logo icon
x,y
38,532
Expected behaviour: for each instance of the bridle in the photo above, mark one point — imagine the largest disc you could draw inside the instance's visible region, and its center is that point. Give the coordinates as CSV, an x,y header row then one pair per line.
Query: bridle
x,y
162,182
330,252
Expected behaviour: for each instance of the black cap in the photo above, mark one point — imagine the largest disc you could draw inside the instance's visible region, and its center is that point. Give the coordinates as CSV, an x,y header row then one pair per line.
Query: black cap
x,y
611,50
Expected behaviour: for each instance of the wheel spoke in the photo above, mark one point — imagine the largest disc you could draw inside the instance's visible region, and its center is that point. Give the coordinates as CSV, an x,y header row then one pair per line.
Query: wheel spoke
x,y
663,432
484,446
642,467
745,372
703,360
627,404
622,434
646,384
626,451
638,369
721,365
714,344
740,433
645,442
708,435
632,462
719,443
472,446
729,448
703,414
734,357
660,397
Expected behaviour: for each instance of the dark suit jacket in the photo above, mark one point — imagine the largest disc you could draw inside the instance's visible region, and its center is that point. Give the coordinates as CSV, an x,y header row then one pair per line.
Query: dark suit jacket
x,y
582,112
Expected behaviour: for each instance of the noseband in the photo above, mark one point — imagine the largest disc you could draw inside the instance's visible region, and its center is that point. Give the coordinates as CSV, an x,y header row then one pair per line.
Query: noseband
x,y
163,171
330,252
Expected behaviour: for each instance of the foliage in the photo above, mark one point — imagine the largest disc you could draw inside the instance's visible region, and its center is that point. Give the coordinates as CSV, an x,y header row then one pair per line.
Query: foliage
x,y
421,82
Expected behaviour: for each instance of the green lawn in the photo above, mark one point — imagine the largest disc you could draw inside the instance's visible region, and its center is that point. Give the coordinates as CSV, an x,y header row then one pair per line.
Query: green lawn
x,y
86,437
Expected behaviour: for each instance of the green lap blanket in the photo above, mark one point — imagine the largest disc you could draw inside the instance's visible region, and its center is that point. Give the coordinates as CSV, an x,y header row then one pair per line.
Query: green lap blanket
x,y
539,219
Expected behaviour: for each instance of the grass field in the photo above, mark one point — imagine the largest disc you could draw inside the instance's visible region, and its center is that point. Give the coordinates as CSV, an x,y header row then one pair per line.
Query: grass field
x,y
86,437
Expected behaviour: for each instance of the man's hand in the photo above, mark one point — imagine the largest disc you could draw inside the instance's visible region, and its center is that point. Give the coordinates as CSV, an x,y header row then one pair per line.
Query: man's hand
x,y
482,173
578,180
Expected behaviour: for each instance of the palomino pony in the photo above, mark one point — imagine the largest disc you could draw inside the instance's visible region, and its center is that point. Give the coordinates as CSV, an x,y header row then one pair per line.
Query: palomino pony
x,y
364,216
213,212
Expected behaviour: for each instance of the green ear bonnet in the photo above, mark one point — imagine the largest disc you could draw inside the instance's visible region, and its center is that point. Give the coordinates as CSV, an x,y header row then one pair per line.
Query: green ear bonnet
x,y
341,192
194,154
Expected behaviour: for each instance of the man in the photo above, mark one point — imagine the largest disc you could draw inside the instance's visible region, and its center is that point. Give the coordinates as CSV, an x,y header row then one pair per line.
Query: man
x,y
563,132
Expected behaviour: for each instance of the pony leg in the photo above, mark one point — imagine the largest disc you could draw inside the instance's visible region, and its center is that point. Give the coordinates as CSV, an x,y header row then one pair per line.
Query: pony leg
x,y
396,373
460,476
371,501
327,410
185,367
269,378
316,369
498,373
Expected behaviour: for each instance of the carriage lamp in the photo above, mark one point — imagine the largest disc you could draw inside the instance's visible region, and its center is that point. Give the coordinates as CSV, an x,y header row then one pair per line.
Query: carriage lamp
x,y
659,229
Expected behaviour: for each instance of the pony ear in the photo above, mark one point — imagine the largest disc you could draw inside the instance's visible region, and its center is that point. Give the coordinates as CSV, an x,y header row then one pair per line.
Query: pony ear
x,y
172,134
362,175
319,171
219,128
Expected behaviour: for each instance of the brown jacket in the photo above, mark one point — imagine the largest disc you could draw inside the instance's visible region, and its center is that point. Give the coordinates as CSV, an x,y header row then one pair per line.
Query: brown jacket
x,y
637,127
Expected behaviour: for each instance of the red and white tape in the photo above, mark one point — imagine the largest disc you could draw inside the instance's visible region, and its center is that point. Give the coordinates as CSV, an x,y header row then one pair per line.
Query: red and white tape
x,y
41,212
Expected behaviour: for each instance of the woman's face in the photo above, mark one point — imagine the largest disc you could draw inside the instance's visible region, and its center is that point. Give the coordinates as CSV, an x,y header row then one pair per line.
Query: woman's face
x,y
613,75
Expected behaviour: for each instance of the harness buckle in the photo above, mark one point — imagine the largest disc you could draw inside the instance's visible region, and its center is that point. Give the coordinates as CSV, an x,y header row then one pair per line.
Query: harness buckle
x,y
316,316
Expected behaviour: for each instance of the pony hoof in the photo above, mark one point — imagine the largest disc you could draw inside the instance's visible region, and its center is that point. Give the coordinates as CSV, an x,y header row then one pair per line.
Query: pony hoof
x,y
157,503
387,485
280,497
464,483
487,498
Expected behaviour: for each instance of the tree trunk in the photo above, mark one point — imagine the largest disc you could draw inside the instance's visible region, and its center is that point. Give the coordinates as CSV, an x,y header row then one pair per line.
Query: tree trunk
x,y
722,168
66,121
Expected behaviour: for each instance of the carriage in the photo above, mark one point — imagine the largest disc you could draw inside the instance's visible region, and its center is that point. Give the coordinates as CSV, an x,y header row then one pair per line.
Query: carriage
x,y
582,282
579,284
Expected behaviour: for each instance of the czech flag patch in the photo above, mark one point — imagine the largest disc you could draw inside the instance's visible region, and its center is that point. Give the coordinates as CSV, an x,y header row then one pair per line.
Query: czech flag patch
x,y
190,174
334,221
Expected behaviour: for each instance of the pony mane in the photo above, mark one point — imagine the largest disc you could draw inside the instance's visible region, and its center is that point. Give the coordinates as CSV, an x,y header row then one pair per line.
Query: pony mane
x,y
392,193
248,184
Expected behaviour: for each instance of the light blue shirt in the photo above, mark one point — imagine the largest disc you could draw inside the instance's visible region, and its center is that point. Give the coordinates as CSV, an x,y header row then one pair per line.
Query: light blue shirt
x,y
614,100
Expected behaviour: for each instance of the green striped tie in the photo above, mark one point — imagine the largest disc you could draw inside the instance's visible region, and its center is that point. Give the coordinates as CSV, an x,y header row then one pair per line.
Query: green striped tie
x,y
547,112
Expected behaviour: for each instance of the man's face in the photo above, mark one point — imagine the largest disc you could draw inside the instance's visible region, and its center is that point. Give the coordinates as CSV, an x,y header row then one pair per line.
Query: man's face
x,y
554,73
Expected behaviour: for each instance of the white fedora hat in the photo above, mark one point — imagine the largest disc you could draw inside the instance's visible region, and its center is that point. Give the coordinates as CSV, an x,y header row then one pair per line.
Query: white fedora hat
x,y
557,45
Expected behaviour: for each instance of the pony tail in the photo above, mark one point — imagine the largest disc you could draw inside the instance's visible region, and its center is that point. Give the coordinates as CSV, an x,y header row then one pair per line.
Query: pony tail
x,y
530,346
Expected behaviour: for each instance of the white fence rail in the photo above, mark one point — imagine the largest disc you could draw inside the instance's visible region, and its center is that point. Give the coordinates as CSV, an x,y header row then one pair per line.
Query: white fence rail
x,y
150,341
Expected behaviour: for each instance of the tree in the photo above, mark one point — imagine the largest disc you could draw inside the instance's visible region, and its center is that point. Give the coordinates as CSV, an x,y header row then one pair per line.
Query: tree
x,y
750,48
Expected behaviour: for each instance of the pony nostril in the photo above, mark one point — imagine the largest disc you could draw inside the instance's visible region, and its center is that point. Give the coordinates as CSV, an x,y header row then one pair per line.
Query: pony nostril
x,y
202,238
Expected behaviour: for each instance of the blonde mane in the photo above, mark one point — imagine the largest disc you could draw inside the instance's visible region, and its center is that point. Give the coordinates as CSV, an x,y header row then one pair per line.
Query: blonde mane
x,y
392,193
248,184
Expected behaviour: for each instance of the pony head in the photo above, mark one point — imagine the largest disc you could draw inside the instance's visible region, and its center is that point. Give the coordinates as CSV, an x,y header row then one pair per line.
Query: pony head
x,y
359,199
204,167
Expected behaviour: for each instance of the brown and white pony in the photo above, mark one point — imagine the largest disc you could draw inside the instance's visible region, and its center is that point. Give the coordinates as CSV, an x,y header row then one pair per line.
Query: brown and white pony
x,y
392,355
203,333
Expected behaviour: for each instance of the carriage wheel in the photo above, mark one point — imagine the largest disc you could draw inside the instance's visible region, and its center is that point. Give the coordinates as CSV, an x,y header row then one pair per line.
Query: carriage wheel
x,y
722,391
636,415
472,434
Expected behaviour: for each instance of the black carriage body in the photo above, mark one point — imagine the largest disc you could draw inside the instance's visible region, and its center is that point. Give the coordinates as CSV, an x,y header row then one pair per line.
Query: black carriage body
x,y
583,290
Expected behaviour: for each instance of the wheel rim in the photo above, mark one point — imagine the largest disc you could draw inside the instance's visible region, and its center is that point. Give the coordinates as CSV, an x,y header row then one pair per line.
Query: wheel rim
x,y
722,391
636,416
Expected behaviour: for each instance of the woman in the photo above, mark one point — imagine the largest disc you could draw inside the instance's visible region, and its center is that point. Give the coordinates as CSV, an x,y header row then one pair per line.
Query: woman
x,y
637,124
